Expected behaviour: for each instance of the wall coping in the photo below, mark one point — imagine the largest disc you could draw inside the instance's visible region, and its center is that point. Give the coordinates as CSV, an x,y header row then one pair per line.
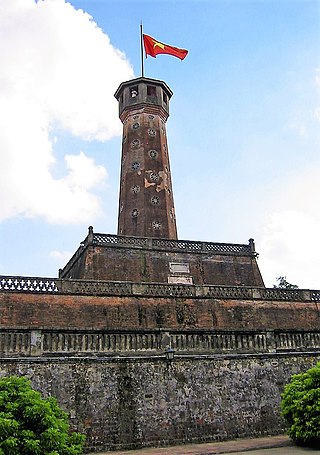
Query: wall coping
x,y
154,358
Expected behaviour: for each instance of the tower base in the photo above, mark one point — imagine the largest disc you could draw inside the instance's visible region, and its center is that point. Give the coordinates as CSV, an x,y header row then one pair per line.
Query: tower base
x,y
150,260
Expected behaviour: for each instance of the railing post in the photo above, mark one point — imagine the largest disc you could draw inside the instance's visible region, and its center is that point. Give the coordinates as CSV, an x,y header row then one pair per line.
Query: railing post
x,y
90,235
271,341
306,295
199,291
252,245
63,286
137,288
36,343
256,293
165,340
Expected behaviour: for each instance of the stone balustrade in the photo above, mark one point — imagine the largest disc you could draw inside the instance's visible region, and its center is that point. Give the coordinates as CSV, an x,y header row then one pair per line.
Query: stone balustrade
x,y
30,342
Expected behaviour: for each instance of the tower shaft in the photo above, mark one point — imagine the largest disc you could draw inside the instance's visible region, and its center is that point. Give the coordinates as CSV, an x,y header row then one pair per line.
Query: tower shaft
x,y
146,207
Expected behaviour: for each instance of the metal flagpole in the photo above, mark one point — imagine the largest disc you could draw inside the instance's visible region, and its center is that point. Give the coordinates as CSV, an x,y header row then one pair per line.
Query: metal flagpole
x,y
141,42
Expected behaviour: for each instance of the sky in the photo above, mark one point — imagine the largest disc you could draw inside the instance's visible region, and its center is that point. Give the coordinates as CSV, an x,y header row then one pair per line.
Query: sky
x,y
243,131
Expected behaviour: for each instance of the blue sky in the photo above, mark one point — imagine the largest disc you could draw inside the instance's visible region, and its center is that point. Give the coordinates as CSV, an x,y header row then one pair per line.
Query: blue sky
x,y
243,131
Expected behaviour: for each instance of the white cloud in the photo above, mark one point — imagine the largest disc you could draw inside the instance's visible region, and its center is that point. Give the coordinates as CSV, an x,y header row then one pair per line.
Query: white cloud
x,y
61,256
289,243
288,248
58,70
300,129
67,200
83,173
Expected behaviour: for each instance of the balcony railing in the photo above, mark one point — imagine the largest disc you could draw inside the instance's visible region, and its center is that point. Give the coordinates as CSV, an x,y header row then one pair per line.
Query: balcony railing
x,y
171,245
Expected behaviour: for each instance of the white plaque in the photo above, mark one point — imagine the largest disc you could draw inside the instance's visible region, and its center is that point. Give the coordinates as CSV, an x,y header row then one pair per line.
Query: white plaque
x,y
180,280
179,267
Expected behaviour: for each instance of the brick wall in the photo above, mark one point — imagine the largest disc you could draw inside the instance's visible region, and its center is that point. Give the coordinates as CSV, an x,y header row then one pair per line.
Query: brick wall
x,y
113,263
50,310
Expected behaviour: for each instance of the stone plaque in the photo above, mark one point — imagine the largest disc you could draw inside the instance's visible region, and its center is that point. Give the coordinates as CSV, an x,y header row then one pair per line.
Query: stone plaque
x,y
179,267
180,280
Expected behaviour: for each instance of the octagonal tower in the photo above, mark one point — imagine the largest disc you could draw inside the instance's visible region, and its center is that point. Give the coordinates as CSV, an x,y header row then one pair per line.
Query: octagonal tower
x,y
146,207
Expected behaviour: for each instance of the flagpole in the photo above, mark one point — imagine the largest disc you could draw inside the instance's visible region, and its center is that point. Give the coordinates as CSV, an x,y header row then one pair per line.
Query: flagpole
x,y
141,43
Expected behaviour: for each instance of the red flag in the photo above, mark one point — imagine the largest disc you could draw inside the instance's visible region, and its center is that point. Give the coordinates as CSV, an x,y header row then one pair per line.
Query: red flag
x,y
154,47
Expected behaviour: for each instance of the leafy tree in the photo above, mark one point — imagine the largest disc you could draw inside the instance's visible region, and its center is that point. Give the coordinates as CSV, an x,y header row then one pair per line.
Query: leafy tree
x,y
301,407
30,424
283,283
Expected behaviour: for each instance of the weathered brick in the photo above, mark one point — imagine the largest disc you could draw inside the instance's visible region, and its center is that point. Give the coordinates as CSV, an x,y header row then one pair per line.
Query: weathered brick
x,y
112,312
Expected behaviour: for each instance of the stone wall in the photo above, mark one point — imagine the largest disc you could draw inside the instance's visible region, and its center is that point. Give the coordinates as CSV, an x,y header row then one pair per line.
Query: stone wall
x,y
142,401
100,348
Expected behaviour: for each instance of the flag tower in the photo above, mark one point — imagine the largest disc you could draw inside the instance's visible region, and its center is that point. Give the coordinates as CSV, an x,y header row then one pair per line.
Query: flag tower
x,y
146,207
146,248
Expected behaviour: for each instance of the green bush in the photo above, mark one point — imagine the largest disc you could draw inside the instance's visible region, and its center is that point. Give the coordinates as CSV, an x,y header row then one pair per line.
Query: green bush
x,y
301,407
30,424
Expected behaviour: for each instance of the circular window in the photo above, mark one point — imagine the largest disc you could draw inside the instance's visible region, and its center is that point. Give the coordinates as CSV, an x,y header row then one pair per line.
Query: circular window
x,y
135,166
154,177
151,132
135,126
151,117
135,213
135,189
135,143
135,117
155,200
156,224
153,154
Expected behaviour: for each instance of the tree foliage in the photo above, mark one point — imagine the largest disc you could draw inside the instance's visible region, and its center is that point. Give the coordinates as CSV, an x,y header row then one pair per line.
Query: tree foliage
x,y
301,407
30,424
284,284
